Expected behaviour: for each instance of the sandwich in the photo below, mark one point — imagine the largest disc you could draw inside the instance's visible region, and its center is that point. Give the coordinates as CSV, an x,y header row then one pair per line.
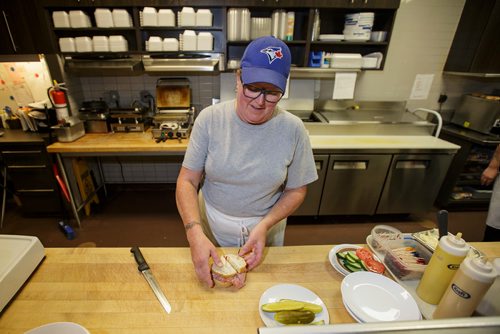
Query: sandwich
x,y
232,272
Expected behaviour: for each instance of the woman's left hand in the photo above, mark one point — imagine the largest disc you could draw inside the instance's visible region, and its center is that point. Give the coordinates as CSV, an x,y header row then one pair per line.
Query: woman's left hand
x,y
253,249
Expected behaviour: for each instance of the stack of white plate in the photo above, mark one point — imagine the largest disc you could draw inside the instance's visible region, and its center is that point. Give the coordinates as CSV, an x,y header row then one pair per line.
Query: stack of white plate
x,y
118,43
188,40
103,18
79,19
186,17
358,26
60,19
83,44
121,18
154,43
370,297
67,44
100,43
148,17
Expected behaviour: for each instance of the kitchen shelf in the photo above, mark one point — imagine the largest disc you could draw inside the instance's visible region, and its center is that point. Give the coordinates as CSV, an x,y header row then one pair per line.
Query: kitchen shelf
x,y
181,28
348,43
332,16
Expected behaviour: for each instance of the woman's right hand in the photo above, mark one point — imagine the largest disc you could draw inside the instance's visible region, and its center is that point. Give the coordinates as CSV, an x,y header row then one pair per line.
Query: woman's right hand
x,y
489,175
202,249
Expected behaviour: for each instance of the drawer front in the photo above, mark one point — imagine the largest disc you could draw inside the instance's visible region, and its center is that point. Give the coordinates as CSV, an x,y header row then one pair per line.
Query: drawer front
x,y
353,184
35,156
31,177
40,202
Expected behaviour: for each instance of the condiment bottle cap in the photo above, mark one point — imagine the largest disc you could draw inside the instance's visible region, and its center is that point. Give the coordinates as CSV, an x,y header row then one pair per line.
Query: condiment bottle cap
x,y
454,244
479,269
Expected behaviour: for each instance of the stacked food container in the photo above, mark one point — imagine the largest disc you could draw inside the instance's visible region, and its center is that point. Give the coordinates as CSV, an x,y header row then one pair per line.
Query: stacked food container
x,y
358,26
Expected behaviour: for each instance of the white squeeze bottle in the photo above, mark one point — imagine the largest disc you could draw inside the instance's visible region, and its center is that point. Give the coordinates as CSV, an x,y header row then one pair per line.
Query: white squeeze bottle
x,y
467,288
445,261
490,305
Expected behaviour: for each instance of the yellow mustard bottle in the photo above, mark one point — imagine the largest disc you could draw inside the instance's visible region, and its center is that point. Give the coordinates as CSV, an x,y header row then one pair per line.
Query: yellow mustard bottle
x,y
445,261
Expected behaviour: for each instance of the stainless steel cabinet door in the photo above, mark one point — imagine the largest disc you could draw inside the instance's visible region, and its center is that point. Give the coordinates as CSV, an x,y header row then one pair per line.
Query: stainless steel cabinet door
x,y
310,206
353,184
413,182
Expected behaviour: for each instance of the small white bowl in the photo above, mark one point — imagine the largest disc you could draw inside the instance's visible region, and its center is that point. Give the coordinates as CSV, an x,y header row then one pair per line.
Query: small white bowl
x,y
59,328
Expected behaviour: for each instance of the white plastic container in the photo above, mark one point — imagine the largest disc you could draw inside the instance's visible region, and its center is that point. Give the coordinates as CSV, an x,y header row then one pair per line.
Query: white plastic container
x,y
100,43
149,17
60,19
188,40
83,44
346,60
154,44
118,43
204,18
103,18
121,18
186,17
78,19
67,44
170,44
205,41
166,18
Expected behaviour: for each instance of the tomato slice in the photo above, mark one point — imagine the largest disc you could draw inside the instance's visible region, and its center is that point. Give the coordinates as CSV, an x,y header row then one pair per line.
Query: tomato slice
x,y
374,266
364,254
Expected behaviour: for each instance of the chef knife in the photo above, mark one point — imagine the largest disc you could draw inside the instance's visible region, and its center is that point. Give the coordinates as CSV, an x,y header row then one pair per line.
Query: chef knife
x,y
148,275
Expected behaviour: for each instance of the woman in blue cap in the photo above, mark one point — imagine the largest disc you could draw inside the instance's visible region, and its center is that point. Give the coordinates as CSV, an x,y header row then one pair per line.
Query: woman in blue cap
x,y
255,160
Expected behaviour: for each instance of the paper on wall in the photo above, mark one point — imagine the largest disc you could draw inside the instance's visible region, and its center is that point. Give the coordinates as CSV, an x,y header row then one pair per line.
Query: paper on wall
x,y
343,88
421,86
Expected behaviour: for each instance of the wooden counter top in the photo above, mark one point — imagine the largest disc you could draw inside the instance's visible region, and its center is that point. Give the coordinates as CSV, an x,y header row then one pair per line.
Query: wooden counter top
x,y
131,142
101,289
138,142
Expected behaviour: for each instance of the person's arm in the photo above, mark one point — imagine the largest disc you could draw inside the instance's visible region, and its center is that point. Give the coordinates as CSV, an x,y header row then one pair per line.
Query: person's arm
x,y
202,249
491,172
289,201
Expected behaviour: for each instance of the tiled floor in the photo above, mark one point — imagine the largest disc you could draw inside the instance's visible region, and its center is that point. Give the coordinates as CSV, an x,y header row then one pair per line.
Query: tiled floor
x,y
147,216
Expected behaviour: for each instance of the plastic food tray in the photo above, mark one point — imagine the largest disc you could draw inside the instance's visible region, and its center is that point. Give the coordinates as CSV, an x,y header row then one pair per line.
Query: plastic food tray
x,y
429,239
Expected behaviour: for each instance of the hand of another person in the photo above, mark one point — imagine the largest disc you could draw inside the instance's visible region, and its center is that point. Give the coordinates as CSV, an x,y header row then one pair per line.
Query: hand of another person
x,y
201,252
254,247
489,174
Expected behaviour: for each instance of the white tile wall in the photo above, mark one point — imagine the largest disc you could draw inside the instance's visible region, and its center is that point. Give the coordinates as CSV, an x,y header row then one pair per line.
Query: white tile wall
x,y
203,88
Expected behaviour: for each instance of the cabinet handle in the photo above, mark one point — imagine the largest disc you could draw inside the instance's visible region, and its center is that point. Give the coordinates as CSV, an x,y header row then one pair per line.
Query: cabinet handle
x,y
412,164
21,152
343,165
26,166
8,29
35,190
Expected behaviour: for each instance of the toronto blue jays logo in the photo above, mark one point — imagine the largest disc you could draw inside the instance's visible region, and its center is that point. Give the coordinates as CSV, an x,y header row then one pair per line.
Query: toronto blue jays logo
x,y
273,53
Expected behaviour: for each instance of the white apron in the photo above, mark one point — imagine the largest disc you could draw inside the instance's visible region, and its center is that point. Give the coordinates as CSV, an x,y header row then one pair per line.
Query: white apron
x,y
229,231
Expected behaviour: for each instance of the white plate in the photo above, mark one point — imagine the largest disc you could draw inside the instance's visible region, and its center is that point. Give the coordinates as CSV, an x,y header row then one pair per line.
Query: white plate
x,y
290,291
373,297
59,328
351,313
332,256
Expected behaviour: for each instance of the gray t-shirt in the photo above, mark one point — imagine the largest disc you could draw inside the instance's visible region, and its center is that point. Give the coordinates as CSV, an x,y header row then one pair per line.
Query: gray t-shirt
x,y
247,166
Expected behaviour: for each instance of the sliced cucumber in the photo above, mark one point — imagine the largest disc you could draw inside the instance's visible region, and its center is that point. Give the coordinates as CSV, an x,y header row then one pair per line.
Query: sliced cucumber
x,y
351,256
341,255
352,266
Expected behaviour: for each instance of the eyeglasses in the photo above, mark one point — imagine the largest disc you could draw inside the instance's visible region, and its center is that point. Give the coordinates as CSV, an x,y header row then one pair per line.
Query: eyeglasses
x,y
252,92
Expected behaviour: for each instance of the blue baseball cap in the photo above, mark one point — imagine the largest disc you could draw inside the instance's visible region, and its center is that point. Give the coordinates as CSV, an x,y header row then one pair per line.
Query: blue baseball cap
x,y
266,59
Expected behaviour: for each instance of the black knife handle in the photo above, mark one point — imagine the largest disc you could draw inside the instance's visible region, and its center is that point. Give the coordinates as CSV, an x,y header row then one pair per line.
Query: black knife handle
x,y
143,265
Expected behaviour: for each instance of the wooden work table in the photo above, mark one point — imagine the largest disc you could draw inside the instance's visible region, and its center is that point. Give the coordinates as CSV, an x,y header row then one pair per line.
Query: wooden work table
x,y
116,143
101,289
